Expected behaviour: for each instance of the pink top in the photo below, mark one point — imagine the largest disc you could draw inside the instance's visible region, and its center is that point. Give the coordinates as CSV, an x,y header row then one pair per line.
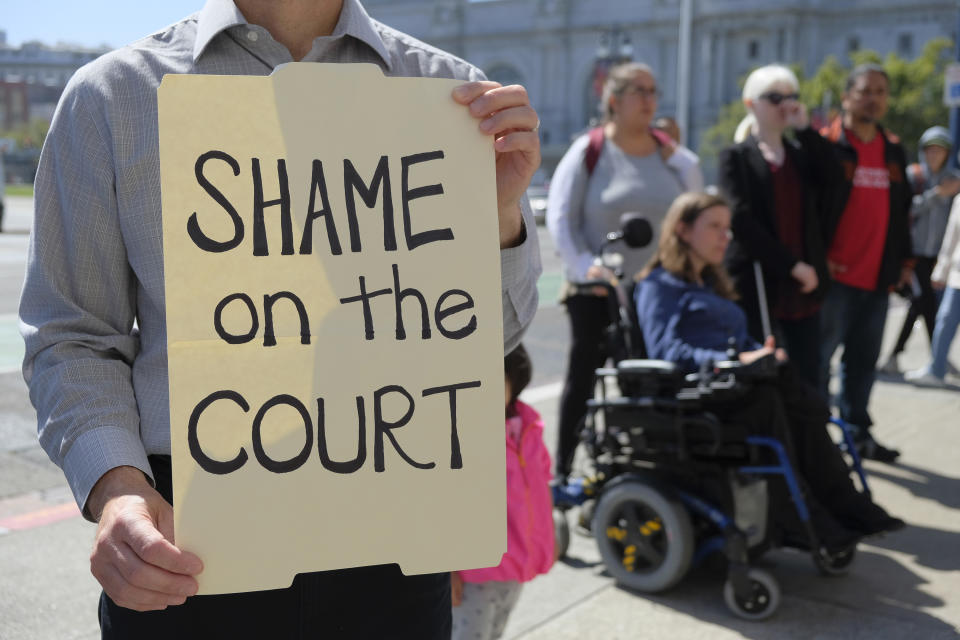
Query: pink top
x,y
530,541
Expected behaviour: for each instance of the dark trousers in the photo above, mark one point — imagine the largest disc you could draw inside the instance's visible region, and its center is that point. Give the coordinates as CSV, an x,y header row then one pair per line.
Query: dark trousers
x,y
368,602
791,410
923,305
588,351
854,318
801,340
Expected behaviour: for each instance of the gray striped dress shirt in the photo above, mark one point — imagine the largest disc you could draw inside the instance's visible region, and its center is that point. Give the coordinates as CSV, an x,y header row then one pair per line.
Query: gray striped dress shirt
x,y
92,312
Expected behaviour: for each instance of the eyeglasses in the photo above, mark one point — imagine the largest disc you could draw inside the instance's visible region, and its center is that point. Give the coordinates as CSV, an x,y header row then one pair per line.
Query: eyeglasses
x,y
869,93
775,97
643,92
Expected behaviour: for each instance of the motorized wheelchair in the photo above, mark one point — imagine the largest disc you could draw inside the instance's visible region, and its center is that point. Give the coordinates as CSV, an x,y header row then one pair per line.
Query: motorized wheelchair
x,y
667,484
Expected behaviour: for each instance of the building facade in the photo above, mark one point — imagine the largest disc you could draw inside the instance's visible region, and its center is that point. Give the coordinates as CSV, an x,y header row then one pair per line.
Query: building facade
x,y
552,46
38,73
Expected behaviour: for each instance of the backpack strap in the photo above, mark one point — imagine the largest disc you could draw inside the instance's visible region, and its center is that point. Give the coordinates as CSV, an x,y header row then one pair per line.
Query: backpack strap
x,y
662,138
594,147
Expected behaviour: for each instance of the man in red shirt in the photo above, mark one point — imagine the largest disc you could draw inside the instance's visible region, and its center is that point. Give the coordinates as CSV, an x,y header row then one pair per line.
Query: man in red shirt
x,y
869,247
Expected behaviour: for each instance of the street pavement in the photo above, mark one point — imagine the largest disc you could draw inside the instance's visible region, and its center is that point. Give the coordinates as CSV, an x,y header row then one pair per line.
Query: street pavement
x,y
906,585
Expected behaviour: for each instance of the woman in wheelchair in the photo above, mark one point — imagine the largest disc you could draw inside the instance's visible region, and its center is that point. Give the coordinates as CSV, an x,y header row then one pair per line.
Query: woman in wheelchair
x,y
687,315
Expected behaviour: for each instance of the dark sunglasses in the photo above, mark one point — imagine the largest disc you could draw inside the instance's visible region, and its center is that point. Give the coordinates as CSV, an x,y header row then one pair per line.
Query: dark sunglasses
x,y
776,98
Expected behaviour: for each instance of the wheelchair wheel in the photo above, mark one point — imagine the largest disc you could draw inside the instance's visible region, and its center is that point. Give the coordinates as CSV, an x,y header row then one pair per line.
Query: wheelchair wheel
x,y
763,600
561,533
645,537
837,564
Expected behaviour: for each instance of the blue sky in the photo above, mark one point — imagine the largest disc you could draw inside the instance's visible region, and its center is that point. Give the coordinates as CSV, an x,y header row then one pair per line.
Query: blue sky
x,y
89,22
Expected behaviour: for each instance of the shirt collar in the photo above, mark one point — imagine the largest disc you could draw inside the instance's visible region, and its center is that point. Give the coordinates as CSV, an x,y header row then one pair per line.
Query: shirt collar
x,y
216,16
219,15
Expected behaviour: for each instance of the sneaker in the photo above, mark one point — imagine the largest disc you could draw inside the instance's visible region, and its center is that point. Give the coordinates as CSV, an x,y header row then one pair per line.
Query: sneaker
x,y
870,449
891,366
585,519
832,535
923,378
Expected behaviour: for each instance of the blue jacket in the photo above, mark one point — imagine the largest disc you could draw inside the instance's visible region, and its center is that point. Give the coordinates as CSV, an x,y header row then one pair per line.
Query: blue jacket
x,y
687,323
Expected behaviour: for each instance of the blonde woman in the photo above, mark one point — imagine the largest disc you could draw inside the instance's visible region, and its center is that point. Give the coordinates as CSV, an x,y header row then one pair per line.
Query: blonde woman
x,y
781,196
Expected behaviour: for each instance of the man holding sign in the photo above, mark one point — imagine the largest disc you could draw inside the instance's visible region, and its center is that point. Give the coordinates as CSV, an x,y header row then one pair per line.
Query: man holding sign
x,y
94,317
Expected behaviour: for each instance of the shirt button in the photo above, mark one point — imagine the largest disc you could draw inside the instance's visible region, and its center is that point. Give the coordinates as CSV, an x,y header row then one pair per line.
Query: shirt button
x,y
252,35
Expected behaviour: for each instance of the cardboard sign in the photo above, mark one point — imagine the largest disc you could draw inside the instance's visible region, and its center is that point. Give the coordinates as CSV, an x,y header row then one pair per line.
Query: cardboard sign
x,y
334,327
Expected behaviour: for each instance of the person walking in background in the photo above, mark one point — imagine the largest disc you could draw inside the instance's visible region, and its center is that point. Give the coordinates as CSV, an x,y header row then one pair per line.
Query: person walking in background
x,y
779,191
946,275
483,598
624,166
870,251
934,186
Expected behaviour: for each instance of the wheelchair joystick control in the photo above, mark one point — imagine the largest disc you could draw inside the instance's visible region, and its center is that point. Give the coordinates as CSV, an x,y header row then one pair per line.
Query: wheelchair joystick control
x,y
732,348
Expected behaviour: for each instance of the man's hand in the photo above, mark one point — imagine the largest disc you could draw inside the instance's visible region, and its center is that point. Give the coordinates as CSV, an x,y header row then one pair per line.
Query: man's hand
x,y
456,588
796,115
134,558
505,113
806,276
948,188
938,284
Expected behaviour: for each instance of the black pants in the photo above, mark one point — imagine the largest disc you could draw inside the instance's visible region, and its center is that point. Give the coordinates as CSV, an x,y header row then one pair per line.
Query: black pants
x,y
588,351
801,340
368,602
790,409
924,305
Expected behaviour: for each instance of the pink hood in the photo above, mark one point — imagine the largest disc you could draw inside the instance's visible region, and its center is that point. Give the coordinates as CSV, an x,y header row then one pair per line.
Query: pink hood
x,y
530,534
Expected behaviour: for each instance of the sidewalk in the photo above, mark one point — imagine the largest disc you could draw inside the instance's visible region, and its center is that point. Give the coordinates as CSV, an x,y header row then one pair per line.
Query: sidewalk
x,y
902,586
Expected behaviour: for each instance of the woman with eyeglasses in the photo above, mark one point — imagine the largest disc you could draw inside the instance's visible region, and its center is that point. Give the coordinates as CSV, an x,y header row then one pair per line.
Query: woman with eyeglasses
x,y
781,194
687,315
624,166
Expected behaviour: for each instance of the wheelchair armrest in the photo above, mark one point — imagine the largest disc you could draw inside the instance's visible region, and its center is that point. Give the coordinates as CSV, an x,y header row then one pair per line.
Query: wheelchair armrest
x,y
728,365
660,367
588,287
765,367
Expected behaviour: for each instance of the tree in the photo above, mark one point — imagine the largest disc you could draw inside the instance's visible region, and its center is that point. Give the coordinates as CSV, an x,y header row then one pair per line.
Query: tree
x,y
29,135
916,96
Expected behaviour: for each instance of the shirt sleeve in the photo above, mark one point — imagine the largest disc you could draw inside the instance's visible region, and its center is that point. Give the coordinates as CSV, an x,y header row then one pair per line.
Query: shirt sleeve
x,y
519,270
687,165
565,211
660,312
519,267
77,310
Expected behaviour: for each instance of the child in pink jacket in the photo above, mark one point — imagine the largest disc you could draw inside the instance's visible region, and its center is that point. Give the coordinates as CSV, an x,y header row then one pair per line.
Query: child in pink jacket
x,y
483,598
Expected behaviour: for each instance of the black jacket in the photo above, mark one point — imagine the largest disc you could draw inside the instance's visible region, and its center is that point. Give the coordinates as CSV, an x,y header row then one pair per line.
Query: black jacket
x,y
898,250
746,181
